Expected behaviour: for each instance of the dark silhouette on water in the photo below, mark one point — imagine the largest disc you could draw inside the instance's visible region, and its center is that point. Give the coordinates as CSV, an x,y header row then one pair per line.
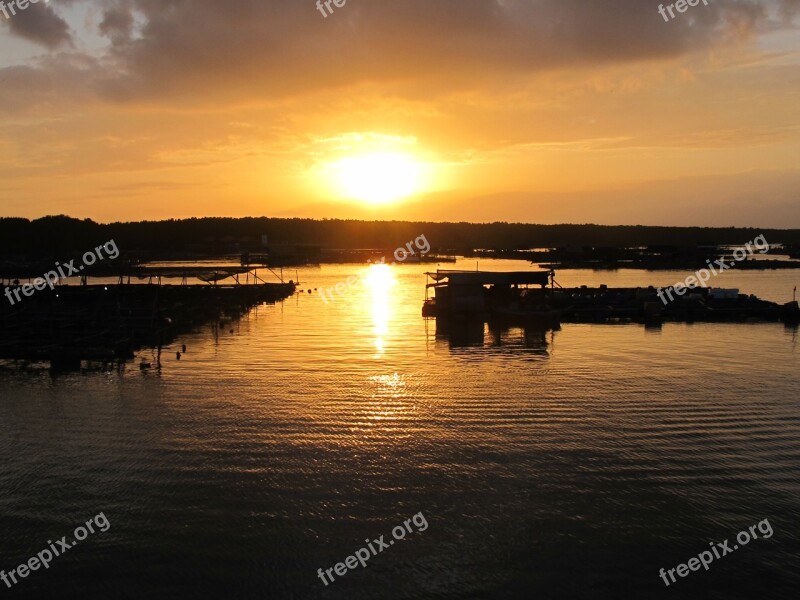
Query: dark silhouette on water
x,y
505,297
58,236
111,322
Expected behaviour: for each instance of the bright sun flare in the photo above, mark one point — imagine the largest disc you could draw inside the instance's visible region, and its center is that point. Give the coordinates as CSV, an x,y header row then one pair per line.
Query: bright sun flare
x,y
378,178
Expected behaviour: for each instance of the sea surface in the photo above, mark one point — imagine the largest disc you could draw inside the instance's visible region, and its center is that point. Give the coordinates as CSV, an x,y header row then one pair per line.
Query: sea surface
x,y
567,464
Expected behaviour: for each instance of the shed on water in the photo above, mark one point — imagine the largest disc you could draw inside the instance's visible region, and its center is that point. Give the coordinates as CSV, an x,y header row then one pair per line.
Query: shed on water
x,y
466,290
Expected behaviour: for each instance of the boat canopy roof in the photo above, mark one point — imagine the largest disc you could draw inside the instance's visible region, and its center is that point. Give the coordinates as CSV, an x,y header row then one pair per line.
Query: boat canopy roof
x,y
491,277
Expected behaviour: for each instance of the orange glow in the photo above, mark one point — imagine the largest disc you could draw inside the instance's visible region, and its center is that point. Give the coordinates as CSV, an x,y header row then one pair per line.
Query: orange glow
x,y
379,282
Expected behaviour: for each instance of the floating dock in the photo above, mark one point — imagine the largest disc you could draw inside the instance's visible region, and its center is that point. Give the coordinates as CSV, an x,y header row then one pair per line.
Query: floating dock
x,y
534,297
74,323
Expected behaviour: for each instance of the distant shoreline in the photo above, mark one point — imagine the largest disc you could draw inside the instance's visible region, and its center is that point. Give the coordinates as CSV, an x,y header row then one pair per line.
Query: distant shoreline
x,y
153,240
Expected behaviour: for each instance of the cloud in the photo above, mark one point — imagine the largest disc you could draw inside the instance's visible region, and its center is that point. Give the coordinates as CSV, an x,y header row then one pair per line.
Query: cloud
x,y
170,50
117,24
277,48
40,24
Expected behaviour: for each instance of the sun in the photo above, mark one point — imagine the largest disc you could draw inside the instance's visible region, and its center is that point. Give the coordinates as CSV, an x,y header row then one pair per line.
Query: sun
x,y
378,178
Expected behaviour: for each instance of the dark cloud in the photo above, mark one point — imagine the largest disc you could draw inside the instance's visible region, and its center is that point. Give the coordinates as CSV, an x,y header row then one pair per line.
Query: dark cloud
x,y
196,50
117,24
39,23
277,47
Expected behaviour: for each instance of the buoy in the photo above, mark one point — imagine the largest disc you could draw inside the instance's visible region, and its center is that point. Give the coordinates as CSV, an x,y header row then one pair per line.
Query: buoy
x,y
183,348
178,355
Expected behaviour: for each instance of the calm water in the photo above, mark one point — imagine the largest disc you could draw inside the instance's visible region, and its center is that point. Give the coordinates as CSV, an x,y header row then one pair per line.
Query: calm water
x,y
571,464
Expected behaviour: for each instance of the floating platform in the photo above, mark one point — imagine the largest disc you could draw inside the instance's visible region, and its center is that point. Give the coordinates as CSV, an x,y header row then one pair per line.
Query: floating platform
x,y
534,297
111,322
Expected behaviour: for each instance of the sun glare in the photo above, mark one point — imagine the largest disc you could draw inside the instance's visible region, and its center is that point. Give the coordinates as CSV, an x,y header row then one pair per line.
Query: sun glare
x,y
379,281
378,178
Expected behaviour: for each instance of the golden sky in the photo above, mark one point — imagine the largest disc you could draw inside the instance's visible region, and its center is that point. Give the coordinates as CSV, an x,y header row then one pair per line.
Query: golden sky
x,y
546,111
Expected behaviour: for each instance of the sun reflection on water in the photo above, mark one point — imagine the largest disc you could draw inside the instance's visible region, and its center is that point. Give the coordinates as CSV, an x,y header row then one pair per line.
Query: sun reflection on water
x,y
389,398
379,281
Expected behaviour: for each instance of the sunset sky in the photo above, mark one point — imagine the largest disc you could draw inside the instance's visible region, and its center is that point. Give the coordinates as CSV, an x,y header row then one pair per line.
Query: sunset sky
x,y
545,111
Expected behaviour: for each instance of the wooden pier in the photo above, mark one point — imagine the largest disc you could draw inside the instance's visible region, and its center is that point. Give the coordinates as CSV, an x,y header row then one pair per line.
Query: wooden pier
x,y
110,322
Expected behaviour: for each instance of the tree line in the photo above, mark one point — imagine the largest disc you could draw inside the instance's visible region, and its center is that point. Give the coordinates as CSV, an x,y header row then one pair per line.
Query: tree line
x,y
60,234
